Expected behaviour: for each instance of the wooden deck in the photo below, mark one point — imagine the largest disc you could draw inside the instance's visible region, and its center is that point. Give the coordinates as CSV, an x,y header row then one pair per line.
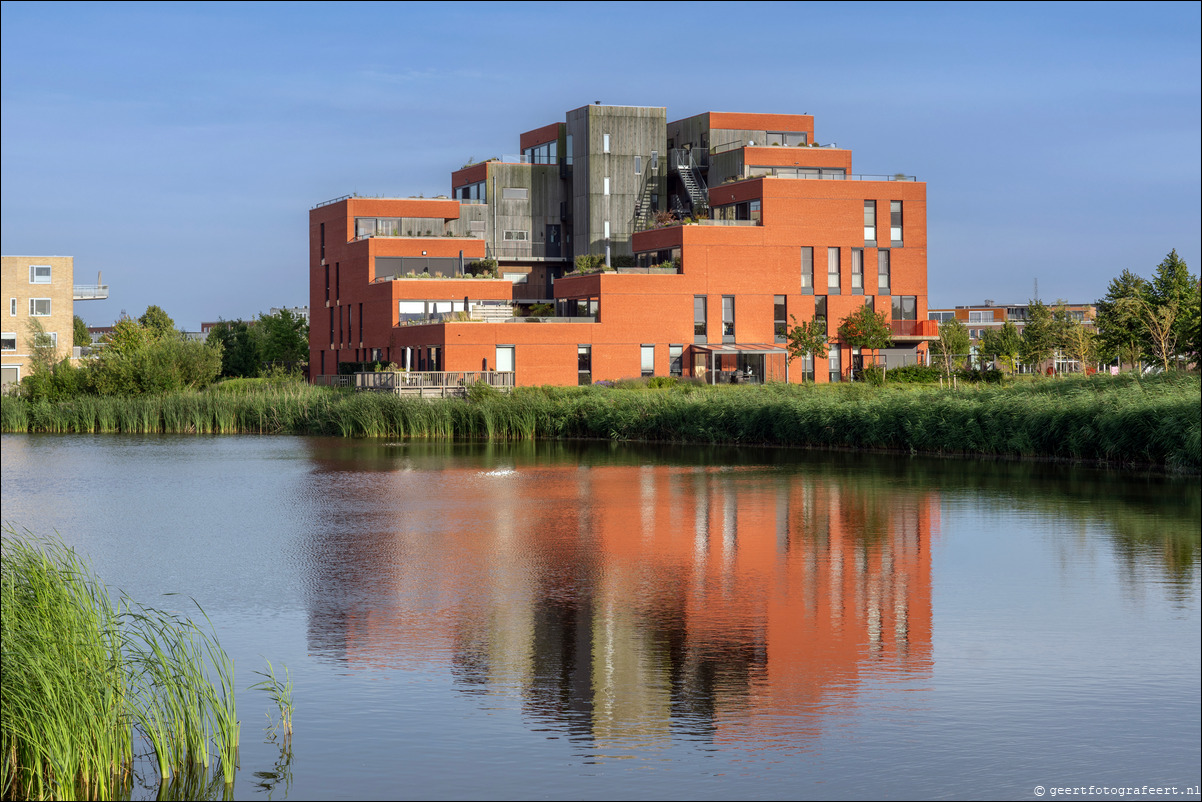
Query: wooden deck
x,y
432,384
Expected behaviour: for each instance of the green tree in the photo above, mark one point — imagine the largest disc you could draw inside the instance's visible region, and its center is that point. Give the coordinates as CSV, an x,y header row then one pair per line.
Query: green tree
x,y
953,342
1174,286
283,338
43,352
127,336
806,338
866,328
80,335
1121,331
1002,346
1039,335
157,322
240,349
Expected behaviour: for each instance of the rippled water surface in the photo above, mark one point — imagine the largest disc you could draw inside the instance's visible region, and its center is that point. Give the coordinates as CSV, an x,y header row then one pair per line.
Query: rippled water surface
x,y
592,621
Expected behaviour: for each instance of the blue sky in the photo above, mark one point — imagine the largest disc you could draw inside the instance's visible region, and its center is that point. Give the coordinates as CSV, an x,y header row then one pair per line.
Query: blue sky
x,y
178,147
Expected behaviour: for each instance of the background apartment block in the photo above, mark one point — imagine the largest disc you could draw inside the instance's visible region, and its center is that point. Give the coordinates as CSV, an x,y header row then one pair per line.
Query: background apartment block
x,y
777,228
37,288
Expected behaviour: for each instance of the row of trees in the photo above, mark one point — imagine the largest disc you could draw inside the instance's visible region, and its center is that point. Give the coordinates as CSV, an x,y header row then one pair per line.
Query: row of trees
x,y
142,356
1155,320
269,344
148,355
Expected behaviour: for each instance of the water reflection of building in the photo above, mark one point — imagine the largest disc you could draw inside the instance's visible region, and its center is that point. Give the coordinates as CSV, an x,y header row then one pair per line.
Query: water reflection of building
x,y
629,604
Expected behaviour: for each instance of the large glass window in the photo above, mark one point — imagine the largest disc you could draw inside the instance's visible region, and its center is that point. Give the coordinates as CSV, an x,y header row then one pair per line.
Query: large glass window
x,y
832,271
820,310
39,274
882,271
675,360
728,318
833,362
905,307
785,138
857,271
699,331
807,270
780,318
870,222
895,223
8,342
647,360
584,365
39,307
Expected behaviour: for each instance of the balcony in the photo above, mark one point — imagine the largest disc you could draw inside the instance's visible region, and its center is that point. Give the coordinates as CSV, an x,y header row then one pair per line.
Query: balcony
x,y
915,330
90,292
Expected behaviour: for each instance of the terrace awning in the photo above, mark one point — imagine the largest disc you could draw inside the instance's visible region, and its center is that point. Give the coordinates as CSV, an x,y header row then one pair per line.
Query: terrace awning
x,y
740,348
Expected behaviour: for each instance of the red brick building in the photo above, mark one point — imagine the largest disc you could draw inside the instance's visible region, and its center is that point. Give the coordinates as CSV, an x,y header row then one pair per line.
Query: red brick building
x,y
769,226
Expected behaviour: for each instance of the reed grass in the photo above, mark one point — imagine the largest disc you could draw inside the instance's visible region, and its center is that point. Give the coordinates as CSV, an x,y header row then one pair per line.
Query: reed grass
x,y
87,677
280,692
1123,420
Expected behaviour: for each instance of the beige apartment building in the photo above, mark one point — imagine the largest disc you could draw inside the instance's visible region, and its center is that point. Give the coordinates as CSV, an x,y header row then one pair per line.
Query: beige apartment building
x,y
40,288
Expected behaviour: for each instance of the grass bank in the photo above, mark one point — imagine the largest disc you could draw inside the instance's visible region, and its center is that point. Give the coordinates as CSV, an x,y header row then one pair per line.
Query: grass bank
x,y
1124,420
90,681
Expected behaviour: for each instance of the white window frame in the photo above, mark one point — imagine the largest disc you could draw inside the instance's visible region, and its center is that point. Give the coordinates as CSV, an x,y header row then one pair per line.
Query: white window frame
x,y
605,143
514,235
34,278
12,307
511,357
605,191
647,360
8,335
33,305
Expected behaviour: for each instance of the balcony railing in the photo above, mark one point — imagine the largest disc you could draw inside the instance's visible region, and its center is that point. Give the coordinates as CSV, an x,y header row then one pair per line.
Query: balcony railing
x,y
434,383
90,292
915,328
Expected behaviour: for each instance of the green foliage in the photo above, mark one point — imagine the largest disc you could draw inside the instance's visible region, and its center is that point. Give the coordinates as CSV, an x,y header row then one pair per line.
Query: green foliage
x,y
808,337
590,262
86,679
480,392
1039,335
624,260
169,365
239,349
127,336
1120,330
542,310
953,342
866,328
157,322
282,338
80,335
1156,420
483,268
1003,345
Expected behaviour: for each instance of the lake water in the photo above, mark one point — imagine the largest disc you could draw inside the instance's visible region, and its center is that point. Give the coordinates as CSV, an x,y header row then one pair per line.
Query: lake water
x,y
598,621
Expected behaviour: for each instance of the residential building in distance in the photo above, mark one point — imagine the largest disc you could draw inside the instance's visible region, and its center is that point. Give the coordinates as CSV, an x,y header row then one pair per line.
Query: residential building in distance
x,y
714,231
989,315
41,289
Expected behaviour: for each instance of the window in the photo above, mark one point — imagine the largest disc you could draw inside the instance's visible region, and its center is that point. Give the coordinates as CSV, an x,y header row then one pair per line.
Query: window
x,y
807,271
605,143
699,331
976,317
755,211
832,271
584,365
833,363
53,335
905,307
654,160
786,138
515,193
8,341
870,222
780,318
323,258
895,223
39,307
728,318
517,236
820,310
882,271
505,358
606,190
39,274
807,366
607,229
857,271
638,165
647,360
12,307
941,316
675,360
